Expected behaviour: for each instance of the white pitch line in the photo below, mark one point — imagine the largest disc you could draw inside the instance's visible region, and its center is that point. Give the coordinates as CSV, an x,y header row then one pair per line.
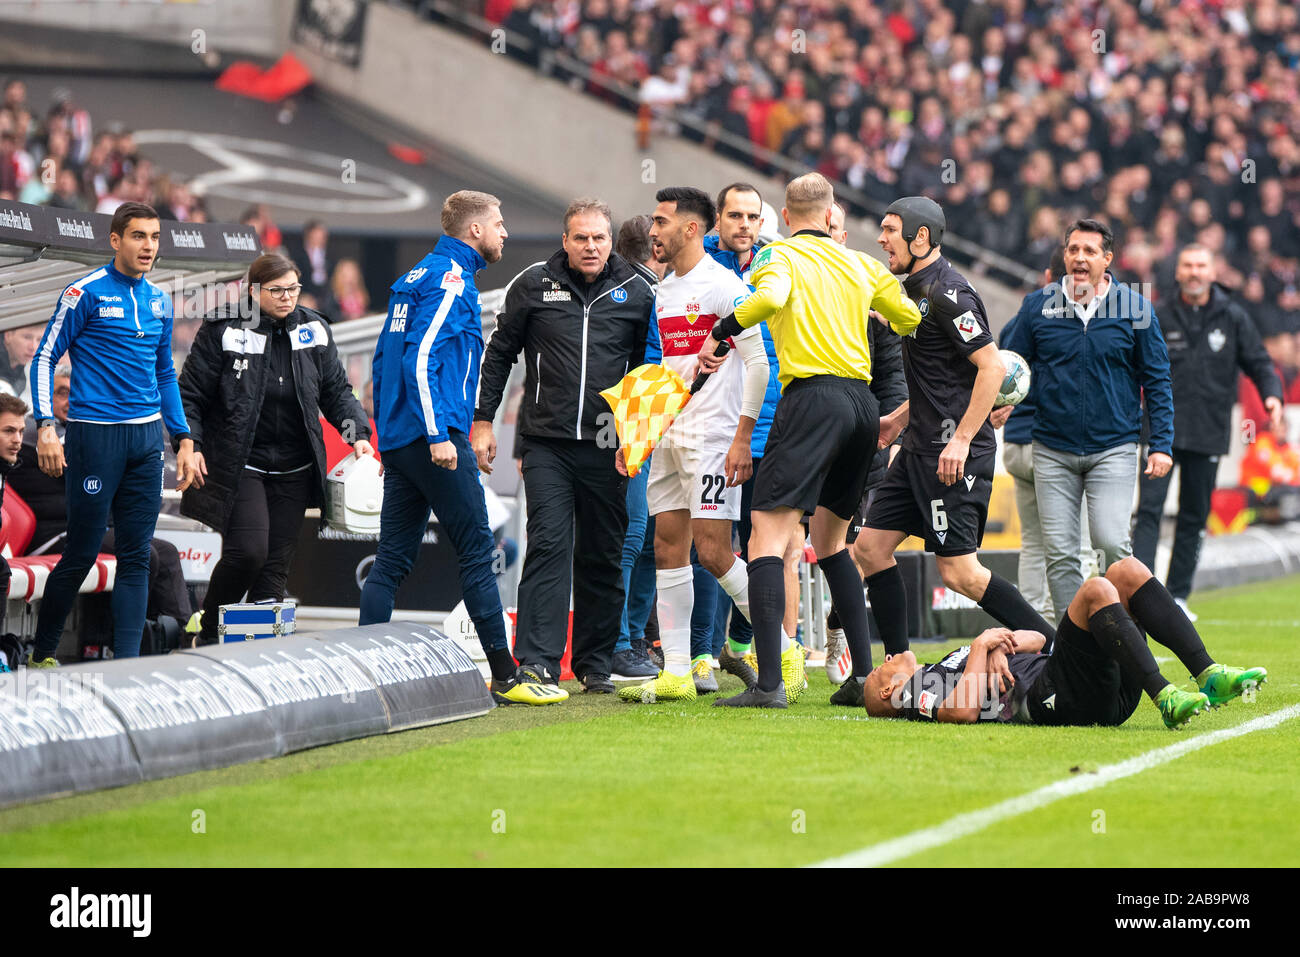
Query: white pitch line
x,y
964,825
1268,623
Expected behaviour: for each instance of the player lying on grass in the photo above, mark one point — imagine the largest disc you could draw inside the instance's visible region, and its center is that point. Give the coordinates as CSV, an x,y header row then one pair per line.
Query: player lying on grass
x,y
1095,674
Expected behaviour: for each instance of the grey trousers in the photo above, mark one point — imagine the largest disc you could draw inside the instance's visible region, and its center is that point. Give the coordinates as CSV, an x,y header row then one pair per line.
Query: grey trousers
x,y
1061,479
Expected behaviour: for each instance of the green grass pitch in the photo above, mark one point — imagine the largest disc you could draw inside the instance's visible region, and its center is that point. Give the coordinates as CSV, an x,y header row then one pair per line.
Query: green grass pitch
x,y
597,782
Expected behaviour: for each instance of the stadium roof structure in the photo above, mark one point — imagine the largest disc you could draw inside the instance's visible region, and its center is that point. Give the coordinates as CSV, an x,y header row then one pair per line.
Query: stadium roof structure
x,y
43,249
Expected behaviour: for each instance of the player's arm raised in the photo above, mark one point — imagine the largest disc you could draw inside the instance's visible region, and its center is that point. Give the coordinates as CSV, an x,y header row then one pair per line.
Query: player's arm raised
x,y
893,306
773,284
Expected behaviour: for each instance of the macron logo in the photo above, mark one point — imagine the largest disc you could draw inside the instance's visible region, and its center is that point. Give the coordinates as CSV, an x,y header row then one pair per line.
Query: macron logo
x,y
76,910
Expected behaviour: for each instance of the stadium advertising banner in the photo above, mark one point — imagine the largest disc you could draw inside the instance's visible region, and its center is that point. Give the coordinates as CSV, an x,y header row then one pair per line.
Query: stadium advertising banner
x,y
424,676
57,736
186,713
332,28
314,694
112,723
63,229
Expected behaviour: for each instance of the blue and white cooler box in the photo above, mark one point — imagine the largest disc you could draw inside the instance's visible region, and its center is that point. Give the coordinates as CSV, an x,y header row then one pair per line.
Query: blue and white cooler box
x,y
245,621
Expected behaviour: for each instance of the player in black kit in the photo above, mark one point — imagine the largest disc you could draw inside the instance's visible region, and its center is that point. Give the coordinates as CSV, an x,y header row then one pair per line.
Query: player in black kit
x,y
938,486
1096,673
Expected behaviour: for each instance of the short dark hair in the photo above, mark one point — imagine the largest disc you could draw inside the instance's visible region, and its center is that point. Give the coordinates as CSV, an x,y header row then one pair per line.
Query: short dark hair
x,y
633,242
127,212
739,188
1056,265
12,405
1091,226
690,200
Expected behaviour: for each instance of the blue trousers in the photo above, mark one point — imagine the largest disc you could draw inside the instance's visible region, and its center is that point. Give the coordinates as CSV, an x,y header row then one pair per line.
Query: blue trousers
x,y
414,487
117,470
704,610
638,562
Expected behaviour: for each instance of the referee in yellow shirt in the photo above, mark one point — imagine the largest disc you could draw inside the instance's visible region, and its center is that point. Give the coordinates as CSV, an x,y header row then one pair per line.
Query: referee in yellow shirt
x,y
816,297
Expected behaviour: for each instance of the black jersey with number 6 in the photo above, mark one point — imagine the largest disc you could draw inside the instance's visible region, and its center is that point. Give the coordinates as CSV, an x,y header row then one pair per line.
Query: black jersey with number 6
x,y
940,375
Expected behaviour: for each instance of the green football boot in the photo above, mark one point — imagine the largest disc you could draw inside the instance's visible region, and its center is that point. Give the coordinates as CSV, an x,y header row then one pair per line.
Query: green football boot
x,y
1221,684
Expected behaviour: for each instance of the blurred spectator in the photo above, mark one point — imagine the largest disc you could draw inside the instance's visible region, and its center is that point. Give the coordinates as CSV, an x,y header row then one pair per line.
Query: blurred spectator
x,y
349,291
1210,338
312,257
67,191
20,349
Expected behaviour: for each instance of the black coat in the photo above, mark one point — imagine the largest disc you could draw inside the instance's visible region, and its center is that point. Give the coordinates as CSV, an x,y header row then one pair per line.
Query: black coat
x,y
576,340
1207,346
222,387
888,383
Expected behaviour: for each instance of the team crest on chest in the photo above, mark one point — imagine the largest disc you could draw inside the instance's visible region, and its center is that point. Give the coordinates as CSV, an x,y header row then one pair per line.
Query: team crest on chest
x,y
1217,339
692,312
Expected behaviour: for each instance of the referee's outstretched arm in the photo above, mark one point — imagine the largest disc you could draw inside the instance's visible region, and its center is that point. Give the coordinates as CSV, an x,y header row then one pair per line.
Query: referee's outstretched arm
x,y
895,307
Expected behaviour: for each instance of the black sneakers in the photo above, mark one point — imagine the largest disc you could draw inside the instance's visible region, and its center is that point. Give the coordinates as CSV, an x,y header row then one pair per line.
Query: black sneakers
x,y
596,683
754,698
850,694
634,663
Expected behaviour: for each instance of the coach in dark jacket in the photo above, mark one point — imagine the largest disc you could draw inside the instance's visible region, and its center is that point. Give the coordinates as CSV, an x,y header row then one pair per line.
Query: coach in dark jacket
x,y
1209,338
581,320
253,390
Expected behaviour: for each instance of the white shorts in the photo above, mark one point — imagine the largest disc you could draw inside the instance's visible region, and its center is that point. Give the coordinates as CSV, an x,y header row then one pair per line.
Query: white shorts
x,y
693,479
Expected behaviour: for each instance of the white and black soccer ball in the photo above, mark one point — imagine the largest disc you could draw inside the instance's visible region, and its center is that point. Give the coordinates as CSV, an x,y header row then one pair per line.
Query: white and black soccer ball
x,y
1016,385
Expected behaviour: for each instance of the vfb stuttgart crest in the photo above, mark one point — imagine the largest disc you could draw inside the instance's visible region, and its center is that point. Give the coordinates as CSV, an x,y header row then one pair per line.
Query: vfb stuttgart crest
x,y
692,312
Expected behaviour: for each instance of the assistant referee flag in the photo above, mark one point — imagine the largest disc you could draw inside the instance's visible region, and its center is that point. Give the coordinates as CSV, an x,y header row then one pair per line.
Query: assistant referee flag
x,y
815,295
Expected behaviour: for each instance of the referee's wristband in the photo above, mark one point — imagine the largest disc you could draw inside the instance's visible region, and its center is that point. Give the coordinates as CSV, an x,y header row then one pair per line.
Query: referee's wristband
x,y
724,329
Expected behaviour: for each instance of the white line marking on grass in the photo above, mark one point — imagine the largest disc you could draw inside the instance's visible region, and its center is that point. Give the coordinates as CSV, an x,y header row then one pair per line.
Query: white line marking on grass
x,y
972,822
1271,623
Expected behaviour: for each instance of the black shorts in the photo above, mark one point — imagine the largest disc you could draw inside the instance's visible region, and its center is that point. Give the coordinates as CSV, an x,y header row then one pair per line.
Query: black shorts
x,y
1081,684
820,449
950,518
859,520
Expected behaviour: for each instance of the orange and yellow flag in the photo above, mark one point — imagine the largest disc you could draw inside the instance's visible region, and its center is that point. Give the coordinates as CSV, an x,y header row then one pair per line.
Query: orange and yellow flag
x,y
645,403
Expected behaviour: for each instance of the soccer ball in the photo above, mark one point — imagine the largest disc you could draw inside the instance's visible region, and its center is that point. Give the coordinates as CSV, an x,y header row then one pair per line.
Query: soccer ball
x,y
1016,385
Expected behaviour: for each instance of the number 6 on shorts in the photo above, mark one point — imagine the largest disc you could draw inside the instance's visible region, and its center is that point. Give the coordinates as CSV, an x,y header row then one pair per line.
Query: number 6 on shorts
x,y
938,518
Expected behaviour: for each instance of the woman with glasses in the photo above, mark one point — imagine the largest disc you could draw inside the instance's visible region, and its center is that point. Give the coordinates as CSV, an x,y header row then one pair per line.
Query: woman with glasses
x,y
256,381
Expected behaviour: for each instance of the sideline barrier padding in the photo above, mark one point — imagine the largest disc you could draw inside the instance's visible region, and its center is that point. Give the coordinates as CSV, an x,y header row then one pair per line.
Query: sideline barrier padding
x,y
58,736
110,723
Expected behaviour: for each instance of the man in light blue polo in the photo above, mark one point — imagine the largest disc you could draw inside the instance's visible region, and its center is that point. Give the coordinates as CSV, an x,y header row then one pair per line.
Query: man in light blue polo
x,y
116,327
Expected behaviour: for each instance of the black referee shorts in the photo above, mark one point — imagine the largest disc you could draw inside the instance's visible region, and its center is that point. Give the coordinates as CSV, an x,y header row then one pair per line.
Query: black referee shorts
x,y
1081,684
950,518
821,446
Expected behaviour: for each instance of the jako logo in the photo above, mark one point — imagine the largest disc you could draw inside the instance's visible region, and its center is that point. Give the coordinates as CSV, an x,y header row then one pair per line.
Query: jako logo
x,y
103,910
92,485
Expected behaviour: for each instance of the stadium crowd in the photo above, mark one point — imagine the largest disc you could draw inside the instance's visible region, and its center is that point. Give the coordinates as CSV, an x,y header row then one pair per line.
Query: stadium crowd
x,y
60,157
1178,121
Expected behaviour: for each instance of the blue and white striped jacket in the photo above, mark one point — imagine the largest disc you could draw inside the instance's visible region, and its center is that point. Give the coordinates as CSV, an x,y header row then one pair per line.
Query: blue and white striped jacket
x,y
117,330
427,360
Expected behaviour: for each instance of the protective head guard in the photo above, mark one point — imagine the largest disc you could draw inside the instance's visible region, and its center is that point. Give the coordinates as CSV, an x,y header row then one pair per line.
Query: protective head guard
x,y
918,211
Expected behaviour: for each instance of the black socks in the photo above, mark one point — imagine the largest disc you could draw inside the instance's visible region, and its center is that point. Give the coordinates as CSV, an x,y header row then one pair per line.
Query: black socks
x,y
889,605
850,606
1155,610
1118,636
1004,602
502,664
766,611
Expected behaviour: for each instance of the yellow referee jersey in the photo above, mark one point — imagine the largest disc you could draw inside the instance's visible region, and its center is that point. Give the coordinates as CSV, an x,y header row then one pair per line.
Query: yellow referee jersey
x,y
815,295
